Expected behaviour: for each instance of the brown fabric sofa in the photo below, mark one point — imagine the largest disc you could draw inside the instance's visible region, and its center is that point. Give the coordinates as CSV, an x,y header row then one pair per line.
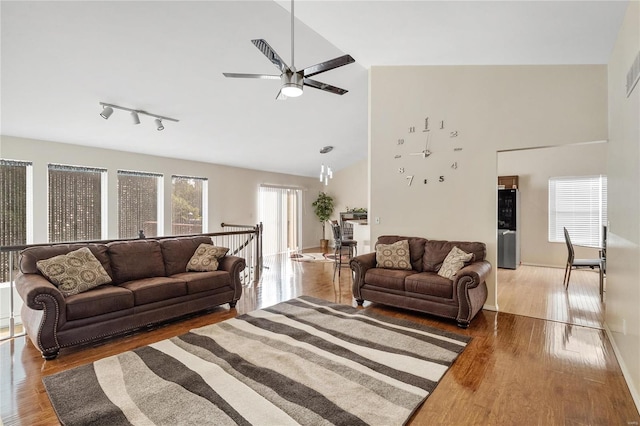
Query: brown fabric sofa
x,y
422,289
150,285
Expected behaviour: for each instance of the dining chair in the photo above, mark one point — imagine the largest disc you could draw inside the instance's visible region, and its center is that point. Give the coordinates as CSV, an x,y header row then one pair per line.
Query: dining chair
x,y
572,262
340,243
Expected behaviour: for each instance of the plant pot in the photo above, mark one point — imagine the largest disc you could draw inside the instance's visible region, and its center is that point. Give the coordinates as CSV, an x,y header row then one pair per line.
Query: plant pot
x,y
324,246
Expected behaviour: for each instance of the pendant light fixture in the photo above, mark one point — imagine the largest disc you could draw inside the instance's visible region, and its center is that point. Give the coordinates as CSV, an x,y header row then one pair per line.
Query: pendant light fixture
x,y
325,172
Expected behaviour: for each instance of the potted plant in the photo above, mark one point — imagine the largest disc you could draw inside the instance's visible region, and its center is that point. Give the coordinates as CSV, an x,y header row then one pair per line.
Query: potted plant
x,y
323,208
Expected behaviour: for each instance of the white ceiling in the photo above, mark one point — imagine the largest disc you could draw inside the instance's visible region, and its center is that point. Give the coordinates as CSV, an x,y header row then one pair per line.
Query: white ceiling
x,y
59,59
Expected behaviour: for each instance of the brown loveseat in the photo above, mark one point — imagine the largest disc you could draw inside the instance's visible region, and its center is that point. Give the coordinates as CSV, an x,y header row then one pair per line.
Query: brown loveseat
x,y
421,288
150,284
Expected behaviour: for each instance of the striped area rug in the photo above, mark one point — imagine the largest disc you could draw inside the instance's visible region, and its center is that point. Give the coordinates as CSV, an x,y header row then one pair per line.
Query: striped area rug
x,y
304,361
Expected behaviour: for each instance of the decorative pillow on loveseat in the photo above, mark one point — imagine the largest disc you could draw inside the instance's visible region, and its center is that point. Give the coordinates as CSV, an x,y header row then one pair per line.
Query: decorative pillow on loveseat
x,y
74,272
454,261
206,258
393,256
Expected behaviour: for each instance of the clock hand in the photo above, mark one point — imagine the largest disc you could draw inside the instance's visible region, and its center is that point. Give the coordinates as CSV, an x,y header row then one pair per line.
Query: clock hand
x,y
424,153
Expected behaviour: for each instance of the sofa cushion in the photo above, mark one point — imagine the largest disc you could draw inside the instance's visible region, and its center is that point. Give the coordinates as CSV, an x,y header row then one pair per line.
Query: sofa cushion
x,y
149,290
393,256
99,301
31,255
132,260
429,284
436,251
416,248
454,261
392,279
206,258
74,272
177,252
198,282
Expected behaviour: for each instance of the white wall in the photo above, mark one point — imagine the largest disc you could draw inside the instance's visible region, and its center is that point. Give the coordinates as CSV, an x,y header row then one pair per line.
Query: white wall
x,y
350,188
232,191
494,108
534,168
623,252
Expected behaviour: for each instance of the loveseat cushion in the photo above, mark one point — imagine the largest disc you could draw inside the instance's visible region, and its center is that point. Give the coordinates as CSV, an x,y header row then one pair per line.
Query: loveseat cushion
x,y
436,251
149,290
177,252
31,255
198,282
132,260
392,279
98,301
393,256
416,248
429,284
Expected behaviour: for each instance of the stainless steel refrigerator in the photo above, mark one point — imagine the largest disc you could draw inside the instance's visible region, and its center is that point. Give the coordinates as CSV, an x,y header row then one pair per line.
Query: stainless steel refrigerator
x,y
508,228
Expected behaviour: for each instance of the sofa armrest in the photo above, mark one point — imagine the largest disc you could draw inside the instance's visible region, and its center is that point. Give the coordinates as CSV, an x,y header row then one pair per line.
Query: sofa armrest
x,y
360,265
471,289
30,286
234,265
474,274
43,313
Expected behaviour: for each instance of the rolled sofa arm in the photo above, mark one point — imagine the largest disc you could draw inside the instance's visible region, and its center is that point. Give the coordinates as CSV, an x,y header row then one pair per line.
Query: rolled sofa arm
x,y
234,265
360,265
43,313
471,289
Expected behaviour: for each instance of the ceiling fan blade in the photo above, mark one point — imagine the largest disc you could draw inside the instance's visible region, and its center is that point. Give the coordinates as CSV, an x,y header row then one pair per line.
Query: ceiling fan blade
x,y
328,65
262,76
271,54
324,86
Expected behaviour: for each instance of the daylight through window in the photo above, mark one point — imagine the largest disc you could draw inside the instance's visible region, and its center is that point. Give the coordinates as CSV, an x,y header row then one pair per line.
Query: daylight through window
x,y
188,205
138,203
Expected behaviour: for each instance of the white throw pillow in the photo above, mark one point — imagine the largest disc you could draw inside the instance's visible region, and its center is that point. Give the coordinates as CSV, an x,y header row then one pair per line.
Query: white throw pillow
x,y
454,261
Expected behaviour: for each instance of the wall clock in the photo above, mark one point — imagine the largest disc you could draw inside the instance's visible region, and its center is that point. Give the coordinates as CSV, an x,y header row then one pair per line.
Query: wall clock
x,y
427,155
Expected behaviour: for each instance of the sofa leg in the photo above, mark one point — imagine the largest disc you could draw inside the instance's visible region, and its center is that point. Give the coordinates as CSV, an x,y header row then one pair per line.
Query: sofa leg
x,y
232,304
463,324
50,355
359,302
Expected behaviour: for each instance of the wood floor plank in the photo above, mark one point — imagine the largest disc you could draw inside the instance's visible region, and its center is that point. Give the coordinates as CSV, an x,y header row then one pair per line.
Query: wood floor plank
x,y
518,369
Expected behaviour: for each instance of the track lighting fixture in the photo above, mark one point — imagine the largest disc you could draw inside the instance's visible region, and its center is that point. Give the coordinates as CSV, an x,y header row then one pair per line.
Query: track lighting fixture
x,y
107,110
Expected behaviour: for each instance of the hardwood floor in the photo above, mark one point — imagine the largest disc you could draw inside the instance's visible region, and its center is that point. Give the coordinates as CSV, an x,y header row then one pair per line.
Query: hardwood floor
x,y
538,292
516,370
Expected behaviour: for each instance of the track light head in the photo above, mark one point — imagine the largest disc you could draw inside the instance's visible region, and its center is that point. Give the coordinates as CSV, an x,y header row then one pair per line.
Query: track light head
x,y
135,118
106,112
159,125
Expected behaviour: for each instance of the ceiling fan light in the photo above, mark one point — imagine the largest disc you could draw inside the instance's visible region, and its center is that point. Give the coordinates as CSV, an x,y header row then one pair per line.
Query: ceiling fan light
x,y
292,90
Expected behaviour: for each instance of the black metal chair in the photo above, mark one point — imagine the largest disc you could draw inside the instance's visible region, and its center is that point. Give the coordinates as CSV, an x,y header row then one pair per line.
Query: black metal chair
x,y
339,244
572,262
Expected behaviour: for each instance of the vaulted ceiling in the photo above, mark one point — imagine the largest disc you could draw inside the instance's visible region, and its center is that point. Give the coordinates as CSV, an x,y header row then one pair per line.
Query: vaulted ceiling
x,y
59,59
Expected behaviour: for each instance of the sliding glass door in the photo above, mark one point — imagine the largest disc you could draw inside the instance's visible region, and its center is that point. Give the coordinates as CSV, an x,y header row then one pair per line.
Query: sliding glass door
x,y
280,213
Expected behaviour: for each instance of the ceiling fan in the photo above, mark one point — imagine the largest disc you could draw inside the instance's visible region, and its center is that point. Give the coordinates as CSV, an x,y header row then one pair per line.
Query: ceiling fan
x,y
293,80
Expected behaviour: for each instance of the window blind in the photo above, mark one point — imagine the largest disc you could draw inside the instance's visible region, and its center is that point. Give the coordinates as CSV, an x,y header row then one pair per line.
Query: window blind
x,y
579,204
13,208
75,203
138,203
188,204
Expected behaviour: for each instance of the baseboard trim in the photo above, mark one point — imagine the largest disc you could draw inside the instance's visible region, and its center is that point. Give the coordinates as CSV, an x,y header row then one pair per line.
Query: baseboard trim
x,y
541,265
491,308
625,371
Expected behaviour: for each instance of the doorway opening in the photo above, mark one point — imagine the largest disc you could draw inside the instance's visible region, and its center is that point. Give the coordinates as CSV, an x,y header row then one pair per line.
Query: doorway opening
x,y
280,211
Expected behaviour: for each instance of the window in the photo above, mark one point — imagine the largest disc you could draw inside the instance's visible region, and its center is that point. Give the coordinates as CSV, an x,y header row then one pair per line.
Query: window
x,y
138,203
14,206
188,205
580,205
75,203
279,210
